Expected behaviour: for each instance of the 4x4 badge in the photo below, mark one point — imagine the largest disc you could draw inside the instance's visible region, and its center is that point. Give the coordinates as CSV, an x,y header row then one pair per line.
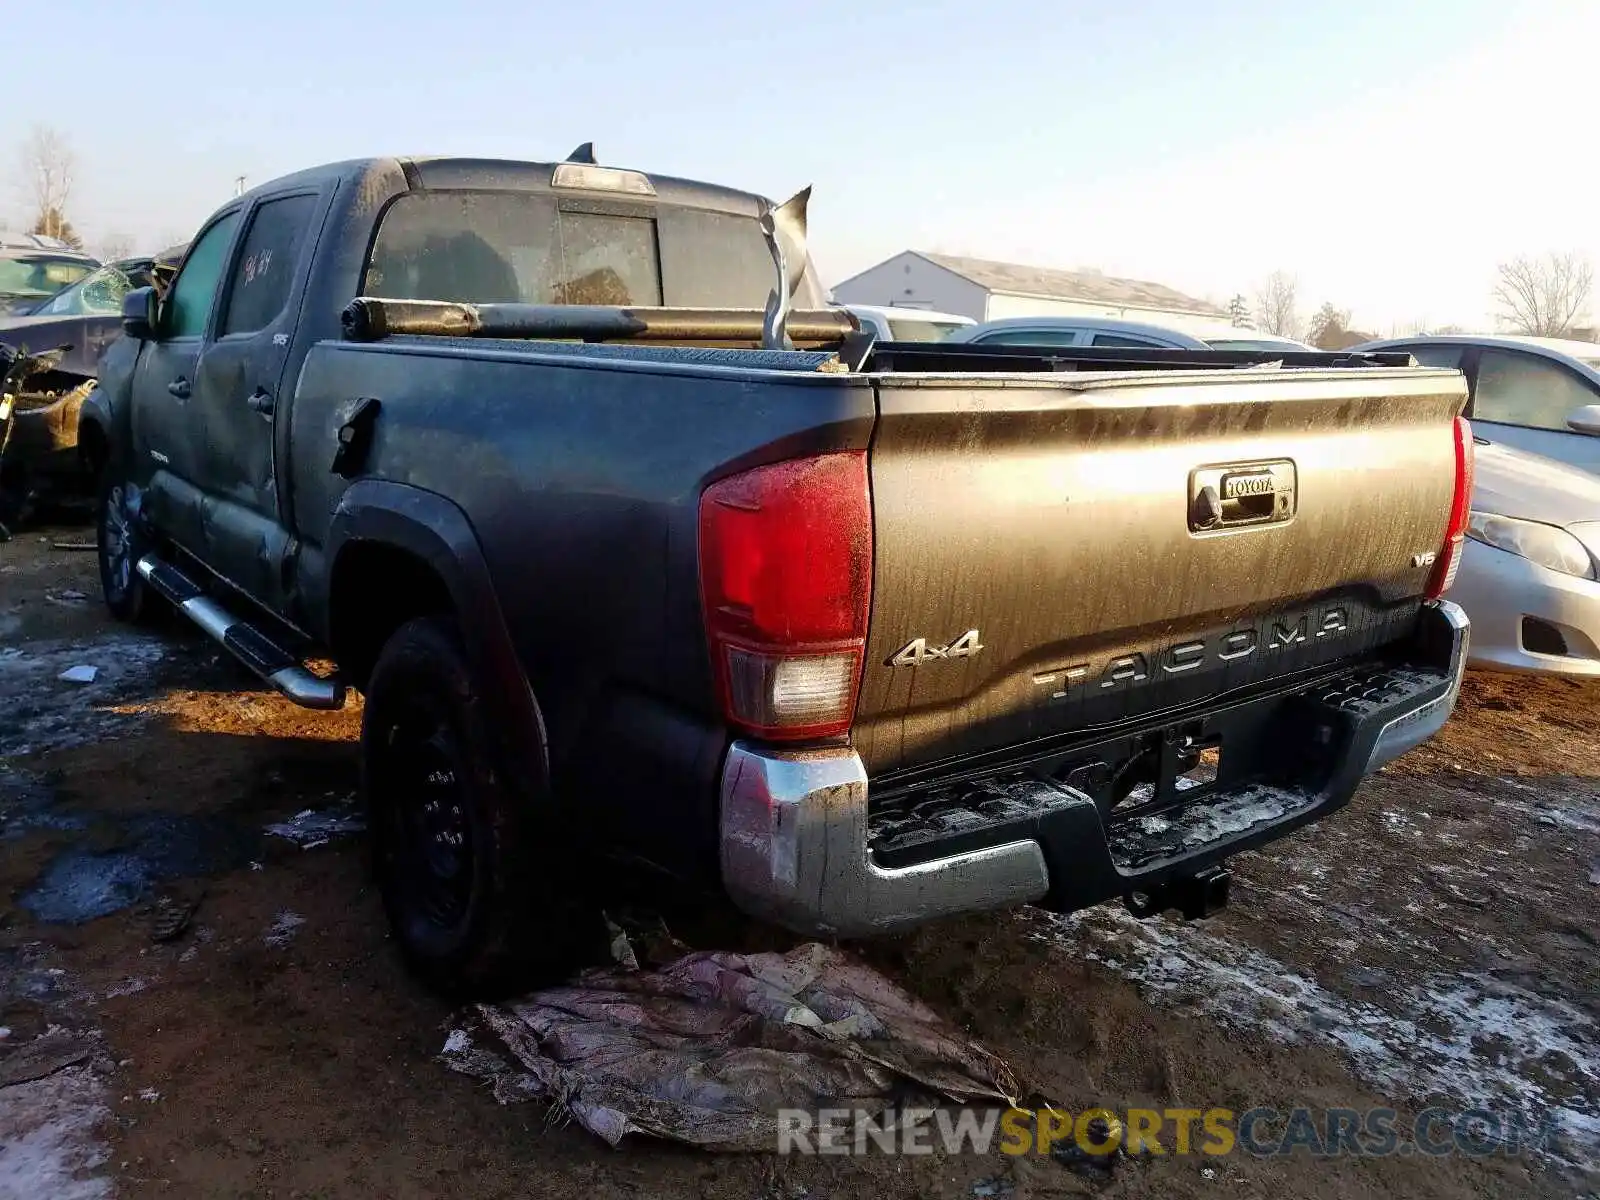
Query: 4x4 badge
x,y
917,651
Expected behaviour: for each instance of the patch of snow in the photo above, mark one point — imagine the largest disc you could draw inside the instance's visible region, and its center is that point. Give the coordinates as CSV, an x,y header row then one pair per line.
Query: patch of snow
x,y
50,1134
312,828
282,930
56,715
457,1043
1479,1041
128,987
149,1095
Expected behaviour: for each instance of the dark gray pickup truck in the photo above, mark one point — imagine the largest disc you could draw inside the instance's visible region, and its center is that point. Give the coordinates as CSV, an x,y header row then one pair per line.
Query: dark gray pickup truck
x,y
627,538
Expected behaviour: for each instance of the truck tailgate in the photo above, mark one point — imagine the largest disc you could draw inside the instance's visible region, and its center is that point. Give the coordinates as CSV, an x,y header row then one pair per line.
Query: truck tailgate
x,y
1065,552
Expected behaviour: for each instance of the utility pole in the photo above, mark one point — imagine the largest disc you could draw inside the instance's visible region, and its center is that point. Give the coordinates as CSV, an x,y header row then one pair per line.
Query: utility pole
x,y
238,185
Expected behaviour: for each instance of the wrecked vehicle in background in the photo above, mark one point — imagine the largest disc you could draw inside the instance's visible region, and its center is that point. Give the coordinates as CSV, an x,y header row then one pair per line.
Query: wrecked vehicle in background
x,y
58,346
628,539
87,315
34,267
20,372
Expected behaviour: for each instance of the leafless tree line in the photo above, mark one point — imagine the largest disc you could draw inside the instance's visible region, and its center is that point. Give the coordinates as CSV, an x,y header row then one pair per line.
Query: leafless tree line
x,y
1544,296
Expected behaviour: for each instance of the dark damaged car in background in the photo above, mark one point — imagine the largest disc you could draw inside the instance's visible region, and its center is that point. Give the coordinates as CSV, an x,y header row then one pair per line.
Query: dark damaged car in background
x,y
34,267
57,344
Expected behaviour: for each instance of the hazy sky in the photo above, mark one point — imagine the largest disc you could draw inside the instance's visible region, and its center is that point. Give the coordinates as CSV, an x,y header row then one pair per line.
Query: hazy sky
x,y
1387,154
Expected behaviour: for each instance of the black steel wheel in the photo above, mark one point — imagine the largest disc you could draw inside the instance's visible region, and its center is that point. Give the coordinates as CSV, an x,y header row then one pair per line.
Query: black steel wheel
x,y
476,877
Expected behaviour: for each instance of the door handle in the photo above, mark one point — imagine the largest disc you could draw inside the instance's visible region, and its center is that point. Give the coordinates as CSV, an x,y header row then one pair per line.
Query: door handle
x,y
179,387
261,401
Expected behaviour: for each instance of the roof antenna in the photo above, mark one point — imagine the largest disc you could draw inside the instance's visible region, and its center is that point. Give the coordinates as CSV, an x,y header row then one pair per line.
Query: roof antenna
x,y
583,154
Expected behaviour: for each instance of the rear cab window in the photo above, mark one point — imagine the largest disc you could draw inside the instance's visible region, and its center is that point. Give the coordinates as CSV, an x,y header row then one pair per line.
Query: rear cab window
x,y
512,248
535,248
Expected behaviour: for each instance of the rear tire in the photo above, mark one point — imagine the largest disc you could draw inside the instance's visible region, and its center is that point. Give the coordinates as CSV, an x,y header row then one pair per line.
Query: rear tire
x,y
478,882
121,542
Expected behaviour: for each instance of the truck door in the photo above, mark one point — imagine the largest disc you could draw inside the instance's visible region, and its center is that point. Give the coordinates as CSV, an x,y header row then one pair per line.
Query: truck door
x,y
237,389
167,436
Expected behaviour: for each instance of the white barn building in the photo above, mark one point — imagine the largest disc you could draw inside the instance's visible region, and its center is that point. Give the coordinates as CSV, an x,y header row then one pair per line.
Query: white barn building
x,y
988,291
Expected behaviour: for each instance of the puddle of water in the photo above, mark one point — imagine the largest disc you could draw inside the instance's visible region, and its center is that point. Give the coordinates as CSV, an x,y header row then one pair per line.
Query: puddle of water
x,y
80,885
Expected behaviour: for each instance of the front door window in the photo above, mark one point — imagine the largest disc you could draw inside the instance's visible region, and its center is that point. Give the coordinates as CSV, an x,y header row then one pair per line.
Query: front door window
x,y
1523,389
189,302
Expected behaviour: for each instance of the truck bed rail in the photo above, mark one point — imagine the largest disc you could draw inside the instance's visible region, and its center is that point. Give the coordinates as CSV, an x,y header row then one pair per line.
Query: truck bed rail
x,y
372,318
942,358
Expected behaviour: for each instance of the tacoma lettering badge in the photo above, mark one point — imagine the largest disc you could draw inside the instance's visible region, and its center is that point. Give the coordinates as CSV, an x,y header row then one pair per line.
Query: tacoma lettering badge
x,y
1131,669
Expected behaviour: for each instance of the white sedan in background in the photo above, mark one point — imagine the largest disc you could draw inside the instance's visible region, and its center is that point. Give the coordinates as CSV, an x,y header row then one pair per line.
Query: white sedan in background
x,y
907,324
1528,570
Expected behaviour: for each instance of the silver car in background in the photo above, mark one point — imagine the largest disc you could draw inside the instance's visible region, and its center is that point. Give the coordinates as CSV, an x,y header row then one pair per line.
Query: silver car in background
x,y
1537,394
1528,570
1111,331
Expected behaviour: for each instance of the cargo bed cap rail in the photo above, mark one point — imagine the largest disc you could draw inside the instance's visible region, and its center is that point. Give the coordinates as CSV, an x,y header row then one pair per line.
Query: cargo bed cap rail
x,y
941,358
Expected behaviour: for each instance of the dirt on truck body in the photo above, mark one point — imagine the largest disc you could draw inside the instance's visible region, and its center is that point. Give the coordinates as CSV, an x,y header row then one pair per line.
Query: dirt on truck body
x,y
860,635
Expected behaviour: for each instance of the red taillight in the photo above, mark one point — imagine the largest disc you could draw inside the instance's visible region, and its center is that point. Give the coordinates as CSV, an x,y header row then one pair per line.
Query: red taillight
x,y
786,582
1445,566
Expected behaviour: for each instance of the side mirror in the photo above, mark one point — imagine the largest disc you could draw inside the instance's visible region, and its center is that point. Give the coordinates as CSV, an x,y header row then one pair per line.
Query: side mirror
x,y
140,314
1585,420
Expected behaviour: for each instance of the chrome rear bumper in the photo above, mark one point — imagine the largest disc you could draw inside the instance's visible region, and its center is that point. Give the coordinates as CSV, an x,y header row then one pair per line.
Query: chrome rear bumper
x,y
795,837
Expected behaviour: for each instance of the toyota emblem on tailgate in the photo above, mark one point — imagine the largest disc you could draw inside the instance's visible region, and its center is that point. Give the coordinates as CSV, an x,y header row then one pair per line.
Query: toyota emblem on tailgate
x,y
1238,495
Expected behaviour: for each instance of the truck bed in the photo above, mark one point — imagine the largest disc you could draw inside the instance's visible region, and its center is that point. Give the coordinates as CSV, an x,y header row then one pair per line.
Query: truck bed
x,y
1043,502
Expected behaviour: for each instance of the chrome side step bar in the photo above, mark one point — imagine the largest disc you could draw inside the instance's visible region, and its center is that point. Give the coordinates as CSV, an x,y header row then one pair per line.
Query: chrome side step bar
x,y
275,665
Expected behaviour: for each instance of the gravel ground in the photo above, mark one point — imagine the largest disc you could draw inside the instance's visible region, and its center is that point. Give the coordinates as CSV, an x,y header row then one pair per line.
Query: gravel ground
x,y
1434,944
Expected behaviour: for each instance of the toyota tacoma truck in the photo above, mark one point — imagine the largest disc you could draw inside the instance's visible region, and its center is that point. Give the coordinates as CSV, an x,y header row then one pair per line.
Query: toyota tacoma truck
x,y
628,540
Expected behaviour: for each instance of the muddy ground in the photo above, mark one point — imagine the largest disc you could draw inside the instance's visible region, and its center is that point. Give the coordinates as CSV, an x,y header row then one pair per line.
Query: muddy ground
x,y
1436,942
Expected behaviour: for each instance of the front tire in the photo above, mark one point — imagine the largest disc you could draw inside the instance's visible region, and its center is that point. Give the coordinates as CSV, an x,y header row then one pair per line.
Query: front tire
x,y
121,542
477,881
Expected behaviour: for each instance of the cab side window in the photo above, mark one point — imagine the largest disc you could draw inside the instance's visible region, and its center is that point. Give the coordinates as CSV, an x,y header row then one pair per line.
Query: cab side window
x,y
264,274
189,302
1520,389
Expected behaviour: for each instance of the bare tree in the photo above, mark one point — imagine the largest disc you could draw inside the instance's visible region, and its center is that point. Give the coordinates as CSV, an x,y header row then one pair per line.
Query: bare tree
x,y
114,246
1329,327
1543,296
1415,327
1275,305
48,169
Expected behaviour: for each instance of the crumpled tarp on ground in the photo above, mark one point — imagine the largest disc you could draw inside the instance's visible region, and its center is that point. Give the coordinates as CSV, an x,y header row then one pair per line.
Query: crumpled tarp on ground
x,y
707,1049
